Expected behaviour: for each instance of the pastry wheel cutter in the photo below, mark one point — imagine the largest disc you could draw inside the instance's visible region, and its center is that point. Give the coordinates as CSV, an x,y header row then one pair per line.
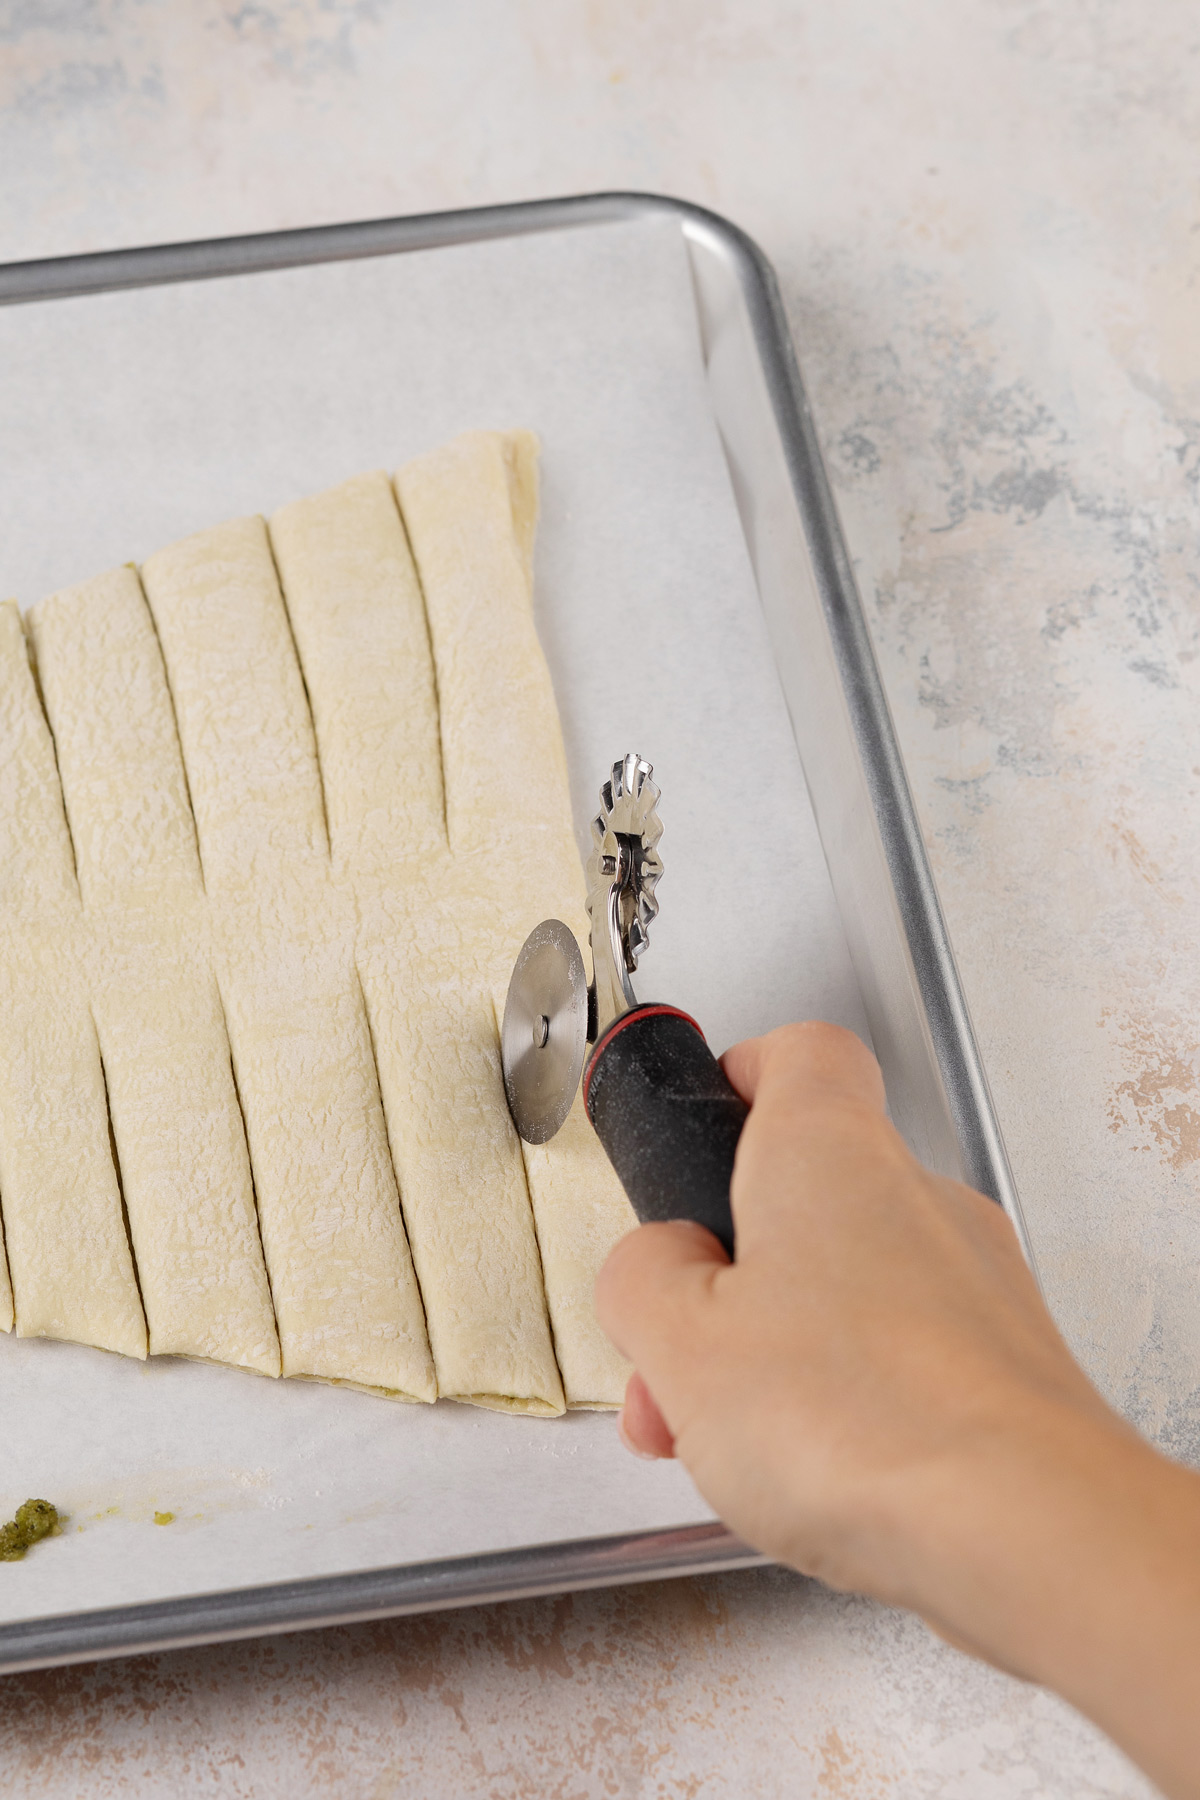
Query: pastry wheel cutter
x,y
653,1090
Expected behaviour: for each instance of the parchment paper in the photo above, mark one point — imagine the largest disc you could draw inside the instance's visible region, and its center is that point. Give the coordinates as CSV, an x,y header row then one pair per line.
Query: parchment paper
x,y
131,419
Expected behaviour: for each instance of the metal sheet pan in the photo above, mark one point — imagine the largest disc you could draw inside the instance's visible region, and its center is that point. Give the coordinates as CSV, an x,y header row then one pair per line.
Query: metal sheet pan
x,y
876,860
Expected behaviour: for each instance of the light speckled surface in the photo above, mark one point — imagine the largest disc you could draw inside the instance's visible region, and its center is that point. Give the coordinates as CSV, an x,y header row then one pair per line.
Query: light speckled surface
x,y
982,217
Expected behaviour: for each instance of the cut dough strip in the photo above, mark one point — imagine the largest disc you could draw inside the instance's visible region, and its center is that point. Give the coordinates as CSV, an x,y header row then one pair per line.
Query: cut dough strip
x,y
346,1300
184,1161
37,863
461,1177
469,509
176,1120
581,1210
68,1253
72,1272
359,622
240,705
105,690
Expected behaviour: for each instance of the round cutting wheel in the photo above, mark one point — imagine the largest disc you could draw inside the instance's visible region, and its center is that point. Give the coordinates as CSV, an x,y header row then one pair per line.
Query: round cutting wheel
x,y
543,1040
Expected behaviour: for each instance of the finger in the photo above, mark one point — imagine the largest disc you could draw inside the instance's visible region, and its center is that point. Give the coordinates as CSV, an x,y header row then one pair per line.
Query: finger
x,y
817,1123
743,1065
813,1061
642,1427
652,1284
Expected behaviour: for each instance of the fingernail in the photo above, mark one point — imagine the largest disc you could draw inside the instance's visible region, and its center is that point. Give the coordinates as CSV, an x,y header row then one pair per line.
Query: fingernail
x,y
633,1449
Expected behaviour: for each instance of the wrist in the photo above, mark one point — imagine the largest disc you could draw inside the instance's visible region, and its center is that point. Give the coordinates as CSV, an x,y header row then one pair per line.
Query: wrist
x,y
1061,1546
998,1536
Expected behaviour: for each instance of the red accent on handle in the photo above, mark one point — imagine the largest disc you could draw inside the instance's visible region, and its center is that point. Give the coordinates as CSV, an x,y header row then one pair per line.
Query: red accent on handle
x,y
649,1011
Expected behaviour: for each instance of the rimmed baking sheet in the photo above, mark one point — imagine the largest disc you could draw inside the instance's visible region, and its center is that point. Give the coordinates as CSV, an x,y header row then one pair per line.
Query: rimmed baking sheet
x,y
133,417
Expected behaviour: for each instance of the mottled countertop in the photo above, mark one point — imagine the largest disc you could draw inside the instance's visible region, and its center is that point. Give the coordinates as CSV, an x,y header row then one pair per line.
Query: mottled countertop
x,y
984,218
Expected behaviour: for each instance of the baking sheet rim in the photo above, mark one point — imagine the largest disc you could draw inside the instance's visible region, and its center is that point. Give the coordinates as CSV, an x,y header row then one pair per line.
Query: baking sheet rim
x,y
566,1565
364,1595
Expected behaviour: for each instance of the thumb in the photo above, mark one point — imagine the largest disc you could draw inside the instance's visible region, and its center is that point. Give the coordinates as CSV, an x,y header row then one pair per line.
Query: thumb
x,y
807,1063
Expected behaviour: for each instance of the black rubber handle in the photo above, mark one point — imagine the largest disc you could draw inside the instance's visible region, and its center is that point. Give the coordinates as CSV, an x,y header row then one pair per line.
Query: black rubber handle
x,y
667,1117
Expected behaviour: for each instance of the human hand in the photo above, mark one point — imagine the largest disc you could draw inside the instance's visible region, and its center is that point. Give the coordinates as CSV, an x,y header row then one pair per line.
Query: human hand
x,y
876,1313
875,1393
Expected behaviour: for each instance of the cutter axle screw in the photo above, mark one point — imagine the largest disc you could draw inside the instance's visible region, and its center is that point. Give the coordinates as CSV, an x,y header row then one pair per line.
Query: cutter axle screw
x,y
541,1032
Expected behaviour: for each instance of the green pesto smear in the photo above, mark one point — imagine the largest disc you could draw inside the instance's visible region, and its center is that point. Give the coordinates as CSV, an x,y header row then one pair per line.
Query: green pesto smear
x,y
36,1519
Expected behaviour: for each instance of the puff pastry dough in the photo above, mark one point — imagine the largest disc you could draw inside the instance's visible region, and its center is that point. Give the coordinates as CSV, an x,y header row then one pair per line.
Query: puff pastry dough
x,y
260,894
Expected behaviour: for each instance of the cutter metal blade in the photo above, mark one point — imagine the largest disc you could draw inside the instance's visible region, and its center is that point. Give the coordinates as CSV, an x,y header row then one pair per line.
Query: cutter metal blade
x,y
543,1040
